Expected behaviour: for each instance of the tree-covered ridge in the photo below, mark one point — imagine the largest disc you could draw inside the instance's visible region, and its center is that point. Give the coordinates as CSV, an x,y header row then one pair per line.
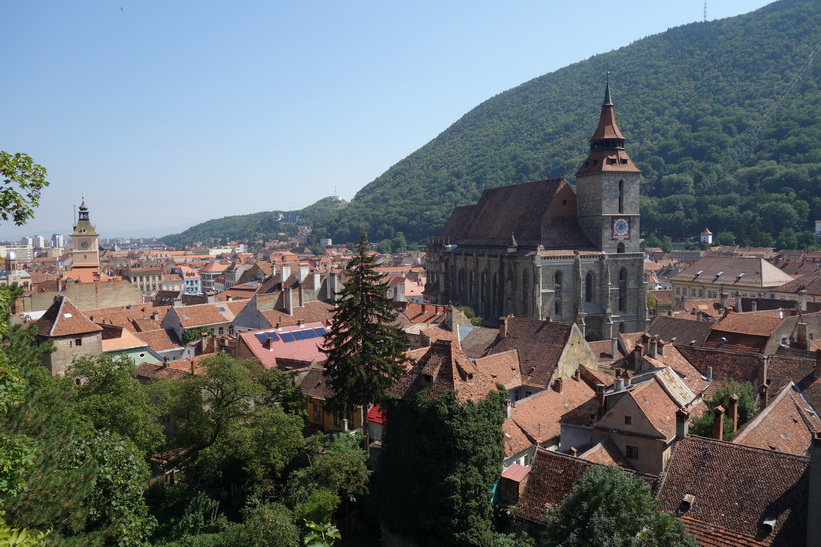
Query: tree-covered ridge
x,y
251,227
722,136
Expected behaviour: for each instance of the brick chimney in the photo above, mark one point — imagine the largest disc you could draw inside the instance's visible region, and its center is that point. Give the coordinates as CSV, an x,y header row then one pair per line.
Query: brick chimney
x,y
763,398
725,300
802,300
614,347
557,385
818,363
651,347
682,424
600,397
638,351
503,327
754,305
733,411
661,344
718,422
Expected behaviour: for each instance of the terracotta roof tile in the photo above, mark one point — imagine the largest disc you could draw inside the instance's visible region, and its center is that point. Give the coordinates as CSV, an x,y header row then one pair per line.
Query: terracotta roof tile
x,y
160,340
736,487
540,345
502,367
444,368
274,348
63,318
539,414
311,312
785,425
606,453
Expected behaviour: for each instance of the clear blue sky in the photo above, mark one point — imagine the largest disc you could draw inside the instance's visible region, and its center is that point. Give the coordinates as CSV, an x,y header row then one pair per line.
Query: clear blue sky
x,y
167,113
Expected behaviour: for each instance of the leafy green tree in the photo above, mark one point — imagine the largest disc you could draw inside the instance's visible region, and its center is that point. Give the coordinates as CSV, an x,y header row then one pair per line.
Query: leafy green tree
x,y
703,425
471,315
608,507
112,398
439,461
364,349
23,181
265,524
234,431
725,238
193,335
336,469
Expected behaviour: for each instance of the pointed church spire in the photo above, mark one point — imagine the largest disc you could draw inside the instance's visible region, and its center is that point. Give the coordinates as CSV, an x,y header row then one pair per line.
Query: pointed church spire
x,y
607,100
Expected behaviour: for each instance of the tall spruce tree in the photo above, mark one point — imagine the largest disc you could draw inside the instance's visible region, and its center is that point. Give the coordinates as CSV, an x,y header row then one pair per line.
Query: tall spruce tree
x,y
364,348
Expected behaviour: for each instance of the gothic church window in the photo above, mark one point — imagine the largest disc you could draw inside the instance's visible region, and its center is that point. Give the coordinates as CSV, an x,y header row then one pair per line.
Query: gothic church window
x,y
622,289
588,287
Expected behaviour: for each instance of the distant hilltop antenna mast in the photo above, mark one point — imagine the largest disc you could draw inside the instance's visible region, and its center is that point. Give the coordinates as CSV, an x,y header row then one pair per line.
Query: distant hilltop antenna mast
x,y
705,11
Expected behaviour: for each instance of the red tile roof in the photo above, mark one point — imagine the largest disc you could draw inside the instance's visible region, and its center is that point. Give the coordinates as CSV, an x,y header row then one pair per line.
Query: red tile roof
x,y
736,487
539,414
63,318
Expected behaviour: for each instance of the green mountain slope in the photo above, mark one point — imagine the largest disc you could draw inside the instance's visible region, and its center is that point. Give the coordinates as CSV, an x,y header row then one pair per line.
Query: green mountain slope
x,y
249,227
720,117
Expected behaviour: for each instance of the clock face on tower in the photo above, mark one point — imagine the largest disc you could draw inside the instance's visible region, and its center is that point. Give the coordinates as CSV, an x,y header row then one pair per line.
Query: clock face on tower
x,y
620,228
84,244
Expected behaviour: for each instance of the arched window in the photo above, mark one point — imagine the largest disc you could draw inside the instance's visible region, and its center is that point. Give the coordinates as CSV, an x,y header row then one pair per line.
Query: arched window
x,y
621,196
622,289
588,287
620,248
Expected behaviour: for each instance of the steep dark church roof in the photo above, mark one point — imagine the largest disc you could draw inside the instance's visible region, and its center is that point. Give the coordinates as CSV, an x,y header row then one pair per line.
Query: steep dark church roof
x,y
541,212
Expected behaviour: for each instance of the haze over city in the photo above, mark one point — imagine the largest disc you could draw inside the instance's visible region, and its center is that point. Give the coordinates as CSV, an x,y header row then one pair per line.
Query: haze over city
x,y
164,115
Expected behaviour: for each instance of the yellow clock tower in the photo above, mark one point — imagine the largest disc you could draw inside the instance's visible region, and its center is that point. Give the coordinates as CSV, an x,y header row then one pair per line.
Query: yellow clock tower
x,y
85,243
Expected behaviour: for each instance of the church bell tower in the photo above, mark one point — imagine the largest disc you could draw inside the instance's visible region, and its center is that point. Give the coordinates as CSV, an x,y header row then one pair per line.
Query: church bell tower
x,y
607,188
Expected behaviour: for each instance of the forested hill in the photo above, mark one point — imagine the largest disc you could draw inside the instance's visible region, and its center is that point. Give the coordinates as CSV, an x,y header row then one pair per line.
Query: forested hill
x,y
720,117
249,227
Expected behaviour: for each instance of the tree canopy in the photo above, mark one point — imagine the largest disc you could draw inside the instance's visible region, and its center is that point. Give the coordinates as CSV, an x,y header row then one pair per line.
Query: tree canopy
x,y
609,507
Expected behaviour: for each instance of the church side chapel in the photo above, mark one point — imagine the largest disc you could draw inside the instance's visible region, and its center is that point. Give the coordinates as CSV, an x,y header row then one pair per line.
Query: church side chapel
x,y
540,250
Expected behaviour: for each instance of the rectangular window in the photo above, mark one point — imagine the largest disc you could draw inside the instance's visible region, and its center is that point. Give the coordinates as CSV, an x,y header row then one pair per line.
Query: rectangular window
x,y
678,290
317,413
632,452
693,291
628,420
221,330
701,293
78,342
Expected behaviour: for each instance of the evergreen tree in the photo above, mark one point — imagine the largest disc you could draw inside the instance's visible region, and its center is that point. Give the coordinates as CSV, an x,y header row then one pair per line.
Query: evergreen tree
x,y
609,507
364,348
438,465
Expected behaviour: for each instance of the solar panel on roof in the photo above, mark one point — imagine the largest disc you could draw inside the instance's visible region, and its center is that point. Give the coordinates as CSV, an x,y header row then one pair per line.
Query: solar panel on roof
x,y
286,336
310,333
298,334
321,331
261,337
273,336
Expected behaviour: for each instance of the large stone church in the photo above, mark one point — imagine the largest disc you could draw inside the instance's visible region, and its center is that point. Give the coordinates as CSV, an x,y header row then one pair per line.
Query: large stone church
x,y
538,249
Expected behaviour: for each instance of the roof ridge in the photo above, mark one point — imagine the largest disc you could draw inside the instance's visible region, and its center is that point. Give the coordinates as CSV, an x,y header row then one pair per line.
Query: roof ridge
x,y
732,445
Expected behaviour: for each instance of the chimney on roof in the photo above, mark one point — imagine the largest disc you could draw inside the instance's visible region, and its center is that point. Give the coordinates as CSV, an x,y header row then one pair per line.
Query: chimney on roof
x,y
285,272
288,301
725,300
803,336
164,362
733,411
651,347
601,399
754,305
638,351
684,300
793,312
503,326
763,397
718,422
303,271
618,384
661,344
682,424
155,316
738,302
802,300
557,385
574,451
507,408
614,347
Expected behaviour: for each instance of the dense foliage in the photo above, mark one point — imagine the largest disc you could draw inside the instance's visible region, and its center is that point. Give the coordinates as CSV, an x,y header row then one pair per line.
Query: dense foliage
x,y
249,228
723,137
364,348
608,507
439,462
703,425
